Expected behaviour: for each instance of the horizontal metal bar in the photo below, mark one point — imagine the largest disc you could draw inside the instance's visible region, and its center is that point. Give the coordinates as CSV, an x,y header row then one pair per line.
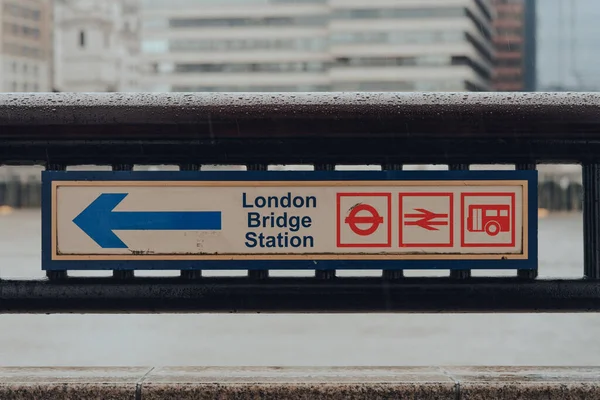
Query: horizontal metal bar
x,y
282,295
352,128
297,151
541,113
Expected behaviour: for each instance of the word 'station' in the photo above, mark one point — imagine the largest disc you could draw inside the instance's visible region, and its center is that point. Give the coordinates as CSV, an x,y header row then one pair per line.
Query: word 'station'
x,y
232,220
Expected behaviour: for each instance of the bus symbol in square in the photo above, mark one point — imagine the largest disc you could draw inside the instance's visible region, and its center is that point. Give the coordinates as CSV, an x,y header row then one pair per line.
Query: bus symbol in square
x,y
488,220
426,220
491,219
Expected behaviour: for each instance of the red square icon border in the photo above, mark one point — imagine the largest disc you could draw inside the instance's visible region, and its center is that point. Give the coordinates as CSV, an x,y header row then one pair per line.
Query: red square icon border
x,y
513,219
450,219
339,220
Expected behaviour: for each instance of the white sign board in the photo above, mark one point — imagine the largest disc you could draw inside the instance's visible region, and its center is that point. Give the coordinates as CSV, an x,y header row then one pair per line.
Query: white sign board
x,y
234,219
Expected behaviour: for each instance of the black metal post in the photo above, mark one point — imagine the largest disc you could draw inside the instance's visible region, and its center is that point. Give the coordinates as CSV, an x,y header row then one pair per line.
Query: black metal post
x,y
591,220
189,167
56,275
190,273
325,274
55,167
122,167
258,273
459,273
123,274
458,167
392,274
526,273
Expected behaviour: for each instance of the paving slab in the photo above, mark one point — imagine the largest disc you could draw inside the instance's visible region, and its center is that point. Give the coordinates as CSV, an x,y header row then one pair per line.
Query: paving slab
x,y
547,383
70,383
298,383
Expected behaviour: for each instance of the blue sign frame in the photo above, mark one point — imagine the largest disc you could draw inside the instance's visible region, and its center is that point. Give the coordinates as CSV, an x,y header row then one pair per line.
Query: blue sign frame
x,y
531,263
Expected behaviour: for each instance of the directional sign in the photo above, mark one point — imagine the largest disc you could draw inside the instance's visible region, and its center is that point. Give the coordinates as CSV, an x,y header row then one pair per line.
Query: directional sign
x,y
290,220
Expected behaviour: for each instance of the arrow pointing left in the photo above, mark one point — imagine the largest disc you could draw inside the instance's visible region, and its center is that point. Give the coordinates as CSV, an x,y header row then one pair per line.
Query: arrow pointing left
x,y
98,220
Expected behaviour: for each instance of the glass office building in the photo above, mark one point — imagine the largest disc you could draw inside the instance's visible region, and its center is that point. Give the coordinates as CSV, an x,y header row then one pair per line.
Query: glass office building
x,y
317,45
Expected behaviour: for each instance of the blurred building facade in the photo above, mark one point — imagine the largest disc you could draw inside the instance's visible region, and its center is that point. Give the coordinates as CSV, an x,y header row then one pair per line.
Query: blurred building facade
x,y
567,44
96,45
515,45
316,45
26,52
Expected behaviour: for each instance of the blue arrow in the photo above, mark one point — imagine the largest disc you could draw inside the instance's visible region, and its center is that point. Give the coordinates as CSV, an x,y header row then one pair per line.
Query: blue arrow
x,y
99,220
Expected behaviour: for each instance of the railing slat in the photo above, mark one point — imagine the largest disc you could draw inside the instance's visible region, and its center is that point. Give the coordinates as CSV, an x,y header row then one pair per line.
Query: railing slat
x,y
325,274
591,220
459,273
195,273
258,274
392,274
123,274
56,275
526,273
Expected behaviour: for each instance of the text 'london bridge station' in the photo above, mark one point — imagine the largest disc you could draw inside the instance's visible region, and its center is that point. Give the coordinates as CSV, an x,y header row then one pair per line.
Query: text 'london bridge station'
x,y
220,218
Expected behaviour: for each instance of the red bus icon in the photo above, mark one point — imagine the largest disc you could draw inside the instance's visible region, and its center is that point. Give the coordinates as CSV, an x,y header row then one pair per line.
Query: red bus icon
x,y
489,218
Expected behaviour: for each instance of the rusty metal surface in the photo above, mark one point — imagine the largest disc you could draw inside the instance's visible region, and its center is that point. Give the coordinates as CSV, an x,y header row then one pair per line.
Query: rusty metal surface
x,y
301,383
283,295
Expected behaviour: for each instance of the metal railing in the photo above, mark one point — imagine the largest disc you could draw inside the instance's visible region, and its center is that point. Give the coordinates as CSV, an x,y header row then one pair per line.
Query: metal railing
x,y
257,130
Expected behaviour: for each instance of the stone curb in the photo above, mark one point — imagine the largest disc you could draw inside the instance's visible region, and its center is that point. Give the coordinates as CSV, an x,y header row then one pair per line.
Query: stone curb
x,y
136,383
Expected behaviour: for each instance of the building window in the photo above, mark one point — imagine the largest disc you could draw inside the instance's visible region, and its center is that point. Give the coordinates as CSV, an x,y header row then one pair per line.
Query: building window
x,y
238,88
155,46
397,37
316,66
306,20
81,39
30,32
35,70
154,23
404,13
310,44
